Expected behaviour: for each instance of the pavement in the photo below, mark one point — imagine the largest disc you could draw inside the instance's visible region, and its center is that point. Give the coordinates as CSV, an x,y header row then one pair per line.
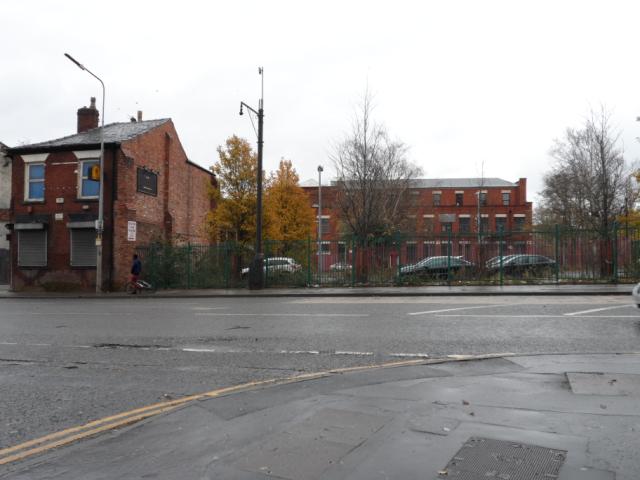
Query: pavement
x,y
533,289
564,417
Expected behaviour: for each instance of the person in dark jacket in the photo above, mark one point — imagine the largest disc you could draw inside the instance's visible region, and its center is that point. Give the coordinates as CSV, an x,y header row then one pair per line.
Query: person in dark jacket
x,y
136,268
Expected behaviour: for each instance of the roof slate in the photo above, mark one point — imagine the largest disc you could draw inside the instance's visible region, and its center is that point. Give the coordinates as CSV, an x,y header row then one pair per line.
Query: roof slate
x,y
440,183
460,183
113,133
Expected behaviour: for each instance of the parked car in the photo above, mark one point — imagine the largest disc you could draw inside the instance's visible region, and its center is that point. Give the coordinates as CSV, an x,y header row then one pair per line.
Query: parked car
x,y
277,265
525,264
340,267
436,267
495,261
636,295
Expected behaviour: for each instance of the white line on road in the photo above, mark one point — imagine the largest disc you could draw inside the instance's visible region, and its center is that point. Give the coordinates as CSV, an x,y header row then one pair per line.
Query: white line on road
x,y
417,355
459,308
216,314
537,316
572,314
346,352
209,308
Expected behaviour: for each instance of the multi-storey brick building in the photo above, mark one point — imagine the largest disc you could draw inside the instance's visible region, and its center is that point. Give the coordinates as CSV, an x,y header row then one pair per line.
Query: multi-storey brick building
x,y
151,192
438,208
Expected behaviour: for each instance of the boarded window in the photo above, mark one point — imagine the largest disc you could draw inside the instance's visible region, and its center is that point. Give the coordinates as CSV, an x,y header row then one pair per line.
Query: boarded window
x,y
83,247
32,248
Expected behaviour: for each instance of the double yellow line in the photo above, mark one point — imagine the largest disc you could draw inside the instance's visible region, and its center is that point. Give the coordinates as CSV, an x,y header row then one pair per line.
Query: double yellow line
x,y
70,435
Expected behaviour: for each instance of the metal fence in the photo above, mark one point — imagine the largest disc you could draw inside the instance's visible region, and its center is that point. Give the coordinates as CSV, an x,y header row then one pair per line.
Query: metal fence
x,y
557,255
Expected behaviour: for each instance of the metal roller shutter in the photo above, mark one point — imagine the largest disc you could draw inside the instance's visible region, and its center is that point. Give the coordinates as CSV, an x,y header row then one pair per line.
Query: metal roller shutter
x,y
83,247
32,248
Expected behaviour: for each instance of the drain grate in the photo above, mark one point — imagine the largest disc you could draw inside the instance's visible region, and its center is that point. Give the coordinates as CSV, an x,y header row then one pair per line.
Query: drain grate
x,y
485,458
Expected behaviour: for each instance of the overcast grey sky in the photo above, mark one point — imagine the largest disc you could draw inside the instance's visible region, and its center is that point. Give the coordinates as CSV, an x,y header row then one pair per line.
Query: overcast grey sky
x,y
460,82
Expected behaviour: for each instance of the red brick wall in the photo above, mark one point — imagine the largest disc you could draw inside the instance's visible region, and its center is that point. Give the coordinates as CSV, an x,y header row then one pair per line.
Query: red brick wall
x,y
422,204
60,183
176,213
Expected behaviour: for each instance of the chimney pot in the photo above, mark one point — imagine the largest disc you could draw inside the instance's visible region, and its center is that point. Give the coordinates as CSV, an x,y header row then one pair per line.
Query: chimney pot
x,y
139,115
88,117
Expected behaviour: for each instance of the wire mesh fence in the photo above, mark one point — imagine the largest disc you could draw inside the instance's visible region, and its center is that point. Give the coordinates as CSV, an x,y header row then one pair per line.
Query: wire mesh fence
x,y
556,255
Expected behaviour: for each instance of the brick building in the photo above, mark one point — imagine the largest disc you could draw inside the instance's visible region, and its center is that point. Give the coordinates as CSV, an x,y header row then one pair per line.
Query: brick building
x,y
152,192
436,208
441,205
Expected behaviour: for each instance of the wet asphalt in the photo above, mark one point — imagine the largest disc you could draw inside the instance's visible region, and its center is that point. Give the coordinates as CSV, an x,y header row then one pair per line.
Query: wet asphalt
x,y
64,362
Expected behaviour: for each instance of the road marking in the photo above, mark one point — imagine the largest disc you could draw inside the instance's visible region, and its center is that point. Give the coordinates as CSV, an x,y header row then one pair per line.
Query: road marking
x,y
341,352
538,316
281,314
298,352
572,314
459,308
199,350
209,308
409,355
70,435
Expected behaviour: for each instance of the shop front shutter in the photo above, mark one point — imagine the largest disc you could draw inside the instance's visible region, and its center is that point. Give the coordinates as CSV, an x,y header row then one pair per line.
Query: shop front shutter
x,y
32,248
83,247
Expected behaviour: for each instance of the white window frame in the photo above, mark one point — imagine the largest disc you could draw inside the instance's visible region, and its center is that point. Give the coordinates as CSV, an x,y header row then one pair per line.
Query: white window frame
x,y
322,250
81,177
28,181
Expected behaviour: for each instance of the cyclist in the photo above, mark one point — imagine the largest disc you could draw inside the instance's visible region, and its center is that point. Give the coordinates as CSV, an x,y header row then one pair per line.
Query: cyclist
x,y
136,268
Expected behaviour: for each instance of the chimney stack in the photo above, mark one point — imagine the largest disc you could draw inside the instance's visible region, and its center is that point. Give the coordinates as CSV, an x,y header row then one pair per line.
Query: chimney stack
x,y
139,115
88,117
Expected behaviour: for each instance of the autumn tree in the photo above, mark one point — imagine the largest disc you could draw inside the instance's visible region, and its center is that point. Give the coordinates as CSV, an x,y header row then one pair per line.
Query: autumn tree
x,y
287,206
590,184
373,177
234,217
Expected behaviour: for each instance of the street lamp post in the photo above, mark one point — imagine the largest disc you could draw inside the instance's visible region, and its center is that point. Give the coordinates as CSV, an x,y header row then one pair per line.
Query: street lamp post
x,y
256,280
320,170
100,221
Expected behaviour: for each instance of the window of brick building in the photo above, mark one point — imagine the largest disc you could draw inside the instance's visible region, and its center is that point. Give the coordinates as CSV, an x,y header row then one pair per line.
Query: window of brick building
x,y
506,199
436,199
518,223
412,252
87,188
34,182
446,227
465,224
83,247
501,224
32,248
459,199
483,199
428,249
484,224
428,224
325,226
342,251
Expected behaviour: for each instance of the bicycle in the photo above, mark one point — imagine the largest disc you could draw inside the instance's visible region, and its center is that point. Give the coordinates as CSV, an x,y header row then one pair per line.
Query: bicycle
x,y
139,286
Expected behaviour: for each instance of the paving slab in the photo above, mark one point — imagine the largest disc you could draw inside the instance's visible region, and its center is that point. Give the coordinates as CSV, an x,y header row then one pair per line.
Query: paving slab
x,y
403,422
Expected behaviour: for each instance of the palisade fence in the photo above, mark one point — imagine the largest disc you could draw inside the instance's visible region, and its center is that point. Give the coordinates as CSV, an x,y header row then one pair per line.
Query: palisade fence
x,y
574,256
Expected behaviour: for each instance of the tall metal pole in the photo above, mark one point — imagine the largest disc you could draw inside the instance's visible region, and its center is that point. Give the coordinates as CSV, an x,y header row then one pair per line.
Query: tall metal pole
x,y
256,271
100,221
259,254
320,170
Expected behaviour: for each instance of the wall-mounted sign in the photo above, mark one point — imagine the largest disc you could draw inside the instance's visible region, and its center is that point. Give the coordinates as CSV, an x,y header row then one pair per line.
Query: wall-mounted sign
x,y
132,229
147,182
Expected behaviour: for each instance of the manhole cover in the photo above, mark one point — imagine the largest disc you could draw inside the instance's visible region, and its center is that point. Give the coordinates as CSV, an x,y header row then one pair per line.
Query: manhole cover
x,y
485,458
